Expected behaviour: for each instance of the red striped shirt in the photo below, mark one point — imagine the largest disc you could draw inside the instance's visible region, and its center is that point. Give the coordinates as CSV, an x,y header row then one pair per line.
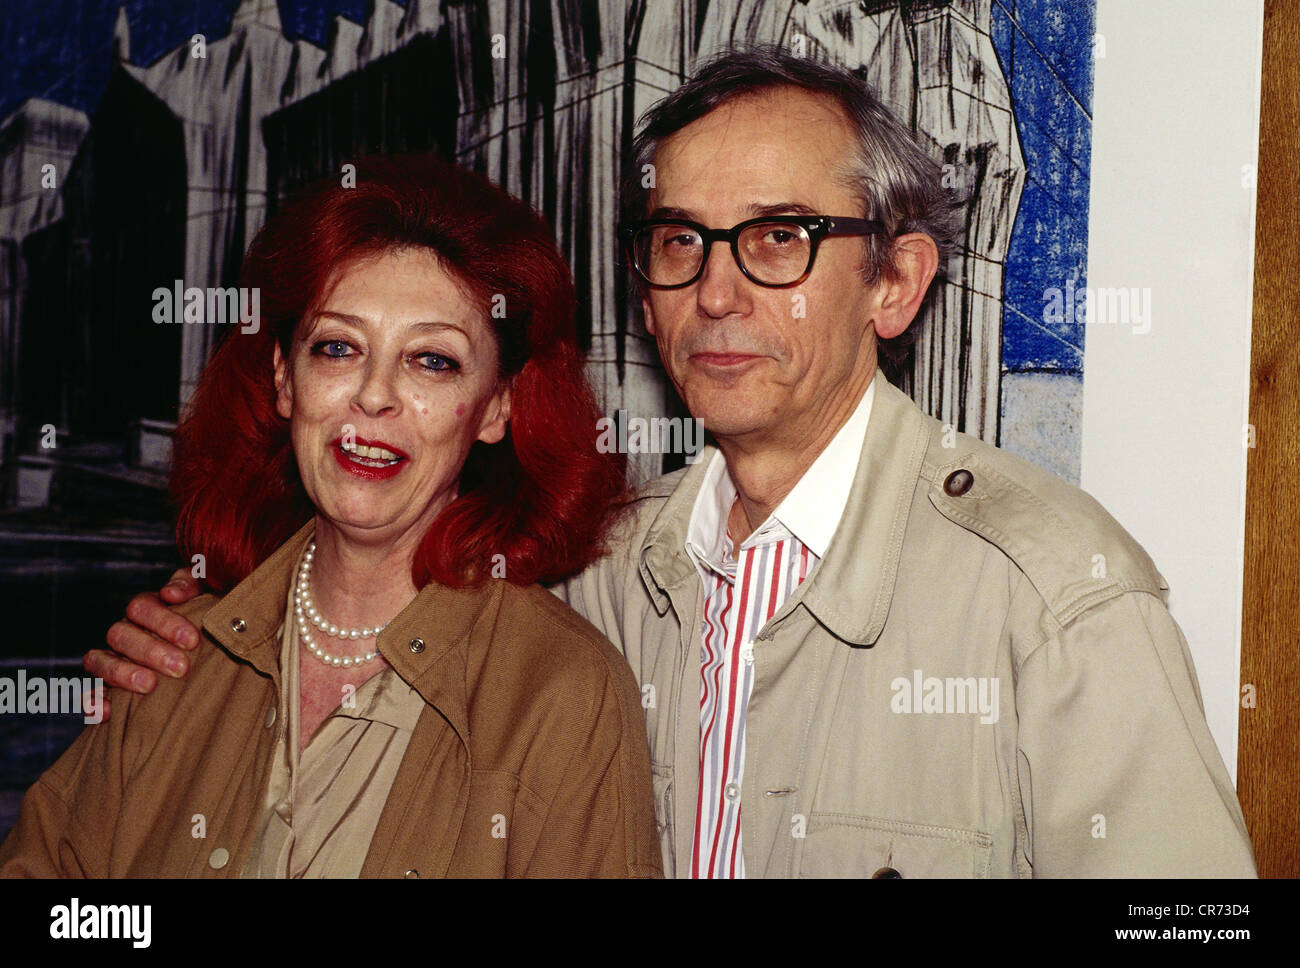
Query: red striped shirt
x,y
742,595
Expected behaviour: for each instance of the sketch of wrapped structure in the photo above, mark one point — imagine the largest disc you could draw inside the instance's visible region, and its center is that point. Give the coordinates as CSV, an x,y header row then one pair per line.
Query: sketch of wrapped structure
x,y
541,96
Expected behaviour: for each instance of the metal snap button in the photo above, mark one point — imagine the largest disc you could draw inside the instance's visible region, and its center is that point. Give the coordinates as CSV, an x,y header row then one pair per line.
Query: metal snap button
x,y
887,874
238,624
417,646
412,875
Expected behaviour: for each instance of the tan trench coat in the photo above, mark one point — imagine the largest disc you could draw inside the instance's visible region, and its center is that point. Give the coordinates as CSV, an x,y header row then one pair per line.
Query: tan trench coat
x,y
1097,761
533,730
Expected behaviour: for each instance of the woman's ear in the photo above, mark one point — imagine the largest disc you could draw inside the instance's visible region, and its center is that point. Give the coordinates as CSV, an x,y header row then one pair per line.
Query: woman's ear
x,y
283,385
496,416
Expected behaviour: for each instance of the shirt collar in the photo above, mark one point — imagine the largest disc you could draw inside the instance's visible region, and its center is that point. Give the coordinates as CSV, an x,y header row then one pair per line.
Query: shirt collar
x,y
814,506
427,643
810,512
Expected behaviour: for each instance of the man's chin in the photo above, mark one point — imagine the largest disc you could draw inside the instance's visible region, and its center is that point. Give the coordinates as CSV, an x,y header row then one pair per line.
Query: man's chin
x,y
730,422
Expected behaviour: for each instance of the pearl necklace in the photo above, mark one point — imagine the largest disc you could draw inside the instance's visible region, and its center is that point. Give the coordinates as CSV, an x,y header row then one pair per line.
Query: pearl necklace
x,y
305,611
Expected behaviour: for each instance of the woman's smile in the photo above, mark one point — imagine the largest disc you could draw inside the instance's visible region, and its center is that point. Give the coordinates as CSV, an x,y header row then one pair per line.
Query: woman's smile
x,y
369,460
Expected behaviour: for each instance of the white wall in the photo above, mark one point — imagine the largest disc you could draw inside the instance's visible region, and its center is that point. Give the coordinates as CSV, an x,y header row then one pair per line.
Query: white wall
x,y
1176,121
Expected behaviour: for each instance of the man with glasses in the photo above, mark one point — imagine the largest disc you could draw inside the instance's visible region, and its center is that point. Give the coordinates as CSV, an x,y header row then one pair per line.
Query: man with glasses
x,y
867,647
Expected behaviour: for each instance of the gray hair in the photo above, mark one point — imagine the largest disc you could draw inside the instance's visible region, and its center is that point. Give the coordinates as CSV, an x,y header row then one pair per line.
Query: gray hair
x,y
897,182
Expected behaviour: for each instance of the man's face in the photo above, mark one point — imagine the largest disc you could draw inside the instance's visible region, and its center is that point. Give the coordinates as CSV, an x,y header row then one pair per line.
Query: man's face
x,y
760,364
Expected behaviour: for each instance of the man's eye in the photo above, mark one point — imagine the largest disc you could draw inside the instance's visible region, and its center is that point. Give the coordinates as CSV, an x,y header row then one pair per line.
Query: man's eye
x,y
780,237
682,239
437,362
333,348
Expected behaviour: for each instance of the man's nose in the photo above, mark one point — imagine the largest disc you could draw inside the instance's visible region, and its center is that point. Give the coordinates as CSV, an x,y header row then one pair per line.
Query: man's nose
x,y
377,394
722,288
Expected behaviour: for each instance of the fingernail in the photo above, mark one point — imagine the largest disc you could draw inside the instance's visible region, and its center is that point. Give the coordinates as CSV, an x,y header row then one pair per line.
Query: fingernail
x,y
188,638
140,680
175,665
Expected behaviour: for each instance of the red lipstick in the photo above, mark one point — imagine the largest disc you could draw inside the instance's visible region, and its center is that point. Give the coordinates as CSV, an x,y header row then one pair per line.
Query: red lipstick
x,y
368,471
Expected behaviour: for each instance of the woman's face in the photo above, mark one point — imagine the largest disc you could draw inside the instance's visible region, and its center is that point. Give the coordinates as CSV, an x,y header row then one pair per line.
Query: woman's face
x,y
387,387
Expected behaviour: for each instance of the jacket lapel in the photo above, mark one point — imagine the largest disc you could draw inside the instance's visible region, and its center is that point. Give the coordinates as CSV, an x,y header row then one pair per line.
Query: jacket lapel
x,y
851,590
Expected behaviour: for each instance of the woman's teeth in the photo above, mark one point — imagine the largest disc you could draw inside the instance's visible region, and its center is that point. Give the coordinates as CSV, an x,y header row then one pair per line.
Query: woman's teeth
x,y
369,456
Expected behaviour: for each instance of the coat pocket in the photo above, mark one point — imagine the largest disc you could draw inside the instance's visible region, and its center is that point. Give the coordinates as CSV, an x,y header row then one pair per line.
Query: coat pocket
x,y
843,845
662,780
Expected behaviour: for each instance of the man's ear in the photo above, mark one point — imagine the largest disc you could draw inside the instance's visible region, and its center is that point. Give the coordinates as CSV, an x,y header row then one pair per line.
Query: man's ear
x,y
649,315
283,385
916,258
497,415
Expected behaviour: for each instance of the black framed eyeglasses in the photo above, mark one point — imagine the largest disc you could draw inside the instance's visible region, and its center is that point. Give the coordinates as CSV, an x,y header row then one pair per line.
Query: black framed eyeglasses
x,y
773,251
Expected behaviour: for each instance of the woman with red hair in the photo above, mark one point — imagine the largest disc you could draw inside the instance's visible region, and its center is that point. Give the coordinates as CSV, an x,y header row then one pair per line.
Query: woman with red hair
x,y
408,425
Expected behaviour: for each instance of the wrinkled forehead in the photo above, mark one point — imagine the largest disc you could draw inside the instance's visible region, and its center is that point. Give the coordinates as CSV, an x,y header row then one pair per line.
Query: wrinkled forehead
x,y
774,147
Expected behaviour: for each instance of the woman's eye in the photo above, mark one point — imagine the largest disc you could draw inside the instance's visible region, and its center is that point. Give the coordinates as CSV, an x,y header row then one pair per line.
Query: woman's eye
x,y
437,362
333,348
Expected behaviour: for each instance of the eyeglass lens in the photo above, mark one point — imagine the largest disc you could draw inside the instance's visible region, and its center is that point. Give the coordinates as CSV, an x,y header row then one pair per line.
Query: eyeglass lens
x,y
775,253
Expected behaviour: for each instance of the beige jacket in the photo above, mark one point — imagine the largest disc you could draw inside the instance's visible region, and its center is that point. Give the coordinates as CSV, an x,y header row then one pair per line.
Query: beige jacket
x,y
529,759
866,748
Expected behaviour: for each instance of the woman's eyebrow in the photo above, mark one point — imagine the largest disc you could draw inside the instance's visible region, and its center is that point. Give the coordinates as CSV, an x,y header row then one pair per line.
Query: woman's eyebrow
x,y
362,323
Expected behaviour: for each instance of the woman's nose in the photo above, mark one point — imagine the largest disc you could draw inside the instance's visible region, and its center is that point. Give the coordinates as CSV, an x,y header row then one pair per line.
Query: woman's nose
x,y
378,391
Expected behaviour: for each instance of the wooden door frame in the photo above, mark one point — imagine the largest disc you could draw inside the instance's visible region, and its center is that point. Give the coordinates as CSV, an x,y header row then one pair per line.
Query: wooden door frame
x,y
1268,752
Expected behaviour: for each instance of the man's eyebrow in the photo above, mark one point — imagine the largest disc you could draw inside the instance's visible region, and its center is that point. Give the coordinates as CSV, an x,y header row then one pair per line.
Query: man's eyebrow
x,y
670,212
781,208
754,210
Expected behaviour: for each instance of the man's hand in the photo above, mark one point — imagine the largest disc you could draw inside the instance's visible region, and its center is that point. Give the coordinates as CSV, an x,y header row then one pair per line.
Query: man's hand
x,y
149,636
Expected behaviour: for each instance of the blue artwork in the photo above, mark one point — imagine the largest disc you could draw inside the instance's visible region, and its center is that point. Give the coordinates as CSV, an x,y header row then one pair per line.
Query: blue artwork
x,y
1046,48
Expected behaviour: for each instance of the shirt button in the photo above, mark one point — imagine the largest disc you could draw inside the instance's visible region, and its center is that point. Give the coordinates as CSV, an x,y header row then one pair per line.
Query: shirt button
x,y
417,646
238,624
747,653
219,858
732,792
958,483
270,717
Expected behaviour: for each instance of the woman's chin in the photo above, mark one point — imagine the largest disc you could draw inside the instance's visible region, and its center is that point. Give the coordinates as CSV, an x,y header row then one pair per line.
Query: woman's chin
x,y
366,526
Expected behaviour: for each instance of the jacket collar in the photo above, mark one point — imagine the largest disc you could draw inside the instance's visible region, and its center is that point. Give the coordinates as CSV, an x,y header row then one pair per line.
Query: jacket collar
x,y
427,643
851,590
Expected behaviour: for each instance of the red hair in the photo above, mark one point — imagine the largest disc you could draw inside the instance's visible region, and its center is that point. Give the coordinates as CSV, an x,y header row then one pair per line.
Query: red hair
x,y
542,497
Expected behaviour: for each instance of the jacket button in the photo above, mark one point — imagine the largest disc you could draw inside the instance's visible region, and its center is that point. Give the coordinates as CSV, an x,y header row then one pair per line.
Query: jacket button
x,y
417,646
238,624
887,874
958,483
219,858
412,875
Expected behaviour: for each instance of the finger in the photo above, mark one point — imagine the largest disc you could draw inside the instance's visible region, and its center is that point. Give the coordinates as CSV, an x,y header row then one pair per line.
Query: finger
x,y
95,711
116,671
148,611
146,649
180,589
